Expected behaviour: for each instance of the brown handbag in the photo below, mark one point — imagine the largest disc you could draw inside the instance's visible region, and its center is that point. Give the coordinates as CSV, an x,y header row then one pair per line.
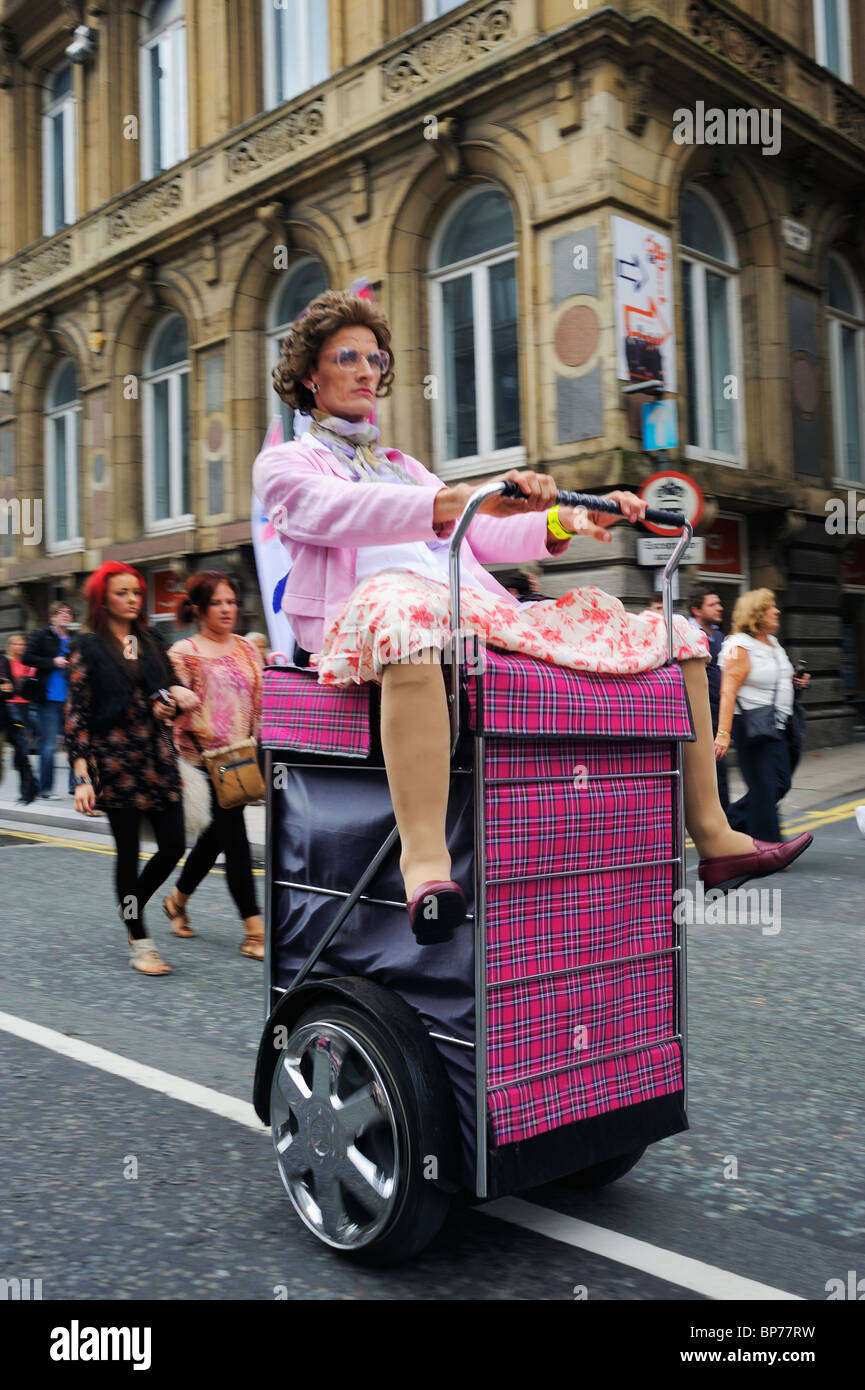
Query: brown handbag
x,y
235,774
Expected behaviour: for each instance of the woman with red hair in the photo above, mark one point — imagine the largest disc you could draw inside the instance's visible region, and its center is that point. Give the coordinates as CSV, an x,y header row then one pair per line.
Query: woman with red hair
x,y
122,698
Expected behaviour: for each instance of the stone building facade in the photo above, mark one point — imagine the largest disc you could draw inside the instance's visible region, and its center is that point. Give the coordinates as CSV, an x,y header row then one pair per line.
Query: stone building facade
x,y
513,178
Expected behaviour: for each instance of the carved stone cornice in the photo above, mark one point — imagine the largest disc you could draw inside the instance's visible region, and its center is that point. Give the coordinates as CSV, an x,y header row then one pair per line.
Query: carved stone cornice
x,y
139,213
735,41
298,127
458,43
848,116
43,264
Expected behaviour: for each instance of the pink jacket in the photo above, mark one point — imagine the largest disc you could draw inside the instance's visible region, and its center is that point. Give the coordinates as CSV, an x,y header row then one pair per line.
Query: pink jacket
x,y
323,517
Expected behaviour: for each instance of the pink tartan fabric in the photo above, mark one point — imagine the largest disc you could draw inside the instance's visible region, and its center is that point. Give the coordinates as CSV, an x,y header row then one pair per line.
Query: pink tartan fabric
x,y
299,713
559,923
555,829
521,697
534,1107
535,1027
554,806
395,613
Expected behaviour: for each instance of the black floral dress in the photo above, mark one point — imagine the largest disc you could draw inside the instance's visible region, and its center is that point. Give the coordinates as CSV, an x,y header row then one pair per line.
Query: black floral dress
x,y
132,762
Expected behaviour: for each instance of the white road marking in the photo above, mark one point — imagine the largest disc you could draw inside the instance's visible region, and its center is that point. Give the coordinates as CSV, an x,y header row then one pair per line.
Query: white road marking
x,y
626,1250
175,1086
638,1254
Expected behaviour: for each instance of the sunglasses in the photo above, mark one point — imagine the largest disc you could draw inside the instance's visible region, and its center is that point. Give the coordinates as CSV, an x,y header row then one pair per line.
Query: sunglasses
x,y
349,359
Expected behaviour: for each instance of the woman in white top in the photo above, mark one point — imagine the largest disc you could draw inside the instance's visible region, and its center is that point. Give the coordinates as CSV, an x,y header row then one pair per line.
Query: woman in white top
x,y
756,673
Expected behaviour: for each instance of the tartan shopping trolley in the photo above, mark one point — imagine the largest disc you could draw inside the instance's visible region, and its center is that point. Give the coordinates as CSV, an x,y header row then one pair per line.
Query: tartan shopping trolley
x,y
547,1039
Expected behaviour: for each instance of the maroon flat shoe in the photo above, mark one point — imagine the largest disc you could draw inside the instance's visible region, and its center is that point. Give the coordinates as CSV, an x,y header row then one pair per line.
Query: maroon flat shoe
x,y
435,910
730,871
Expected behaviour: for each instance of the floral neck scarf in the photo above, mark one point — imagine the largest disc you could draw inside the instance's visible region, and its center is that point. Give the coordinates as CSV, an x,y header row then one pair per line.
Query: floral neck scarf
x,y
355,443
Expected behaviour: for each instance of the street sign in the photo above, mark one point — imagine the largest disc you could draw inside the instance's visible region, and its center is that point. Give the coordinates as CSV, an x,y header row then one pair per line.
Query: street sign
x,y
672,492
660,427
656,550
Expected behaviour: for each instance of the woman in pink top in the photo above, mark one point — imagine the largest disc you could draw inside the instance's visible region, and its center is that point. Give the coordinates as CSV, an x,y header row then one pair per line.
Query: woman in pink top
x,y
224,671
367,530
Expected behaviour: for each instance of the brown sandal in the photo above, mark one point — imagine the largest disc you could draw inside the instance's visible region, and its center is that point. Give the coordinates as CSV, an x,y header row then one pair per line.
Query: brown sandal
x,y
253,946
179,920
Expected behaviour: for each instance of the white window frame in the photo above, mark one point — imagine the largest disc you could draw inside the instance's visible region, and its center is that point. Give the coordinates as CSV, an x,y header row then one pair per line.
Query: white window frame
x,y
178,520
836,319
729,270
820,52
488,459
70,413
64,107
172,33
310,12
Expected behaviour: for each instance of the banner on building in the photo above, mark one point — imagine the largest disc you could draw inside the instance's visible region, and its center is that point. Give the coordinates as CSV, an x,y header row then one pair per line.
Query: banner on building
x,y
645,341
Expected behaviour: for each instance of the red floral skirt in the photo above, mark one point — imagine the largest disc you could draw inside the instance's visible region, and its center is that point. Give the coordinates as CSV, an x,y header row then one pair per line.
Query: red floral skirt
x,y
396,615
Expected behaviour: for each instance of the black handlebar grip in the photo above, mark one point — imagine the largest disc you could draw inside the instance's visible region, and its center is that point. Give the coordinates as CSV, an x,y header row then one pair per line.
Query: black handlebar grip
x,y
660,518
593,503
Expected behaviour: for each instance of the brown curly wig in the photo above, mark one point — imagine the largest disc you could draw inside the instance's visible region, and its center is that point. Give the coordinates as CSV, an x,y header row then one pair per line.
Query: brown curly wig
x,y
326,315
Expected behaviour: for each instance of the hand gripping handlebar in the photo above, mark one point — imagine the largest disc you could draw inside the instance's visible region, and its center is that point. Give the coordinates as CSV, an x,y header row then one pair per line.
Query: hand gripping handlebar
x,y
563,499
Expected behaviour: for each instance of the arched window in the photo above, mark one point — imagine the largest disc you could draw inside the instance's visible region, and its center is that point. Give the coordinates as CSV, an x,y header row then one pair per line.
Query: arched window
x,y
296,48
473,314
846,323
709,270
62,437
164,136
300,284
59,162
167,502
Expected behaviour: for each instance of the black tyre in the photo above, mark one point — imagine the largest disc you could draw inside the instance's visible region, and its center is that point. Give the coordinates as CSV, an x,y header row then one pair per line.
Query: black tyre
x,y
361,1123
601,1174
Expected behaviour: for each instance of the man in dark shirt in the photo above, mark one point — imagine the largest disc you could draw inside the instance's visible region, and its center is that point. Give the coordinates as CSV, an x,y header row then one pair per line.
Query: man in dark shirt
x,y
48,651
706,612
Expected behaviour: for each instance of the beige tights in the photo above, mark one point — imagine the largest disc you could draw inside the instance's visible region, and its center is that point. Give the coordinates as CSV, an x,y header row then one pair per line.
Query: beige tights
x,y
415,737
415,740
704,814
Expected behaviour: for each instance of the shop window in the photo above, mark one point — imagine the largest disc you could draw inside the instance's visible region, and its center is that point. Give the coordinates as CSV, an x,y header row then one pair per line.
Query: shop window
x,y
474,317
164,134
59,162
167,501
297,287
846,363
296,48
709,273
62,448
832,36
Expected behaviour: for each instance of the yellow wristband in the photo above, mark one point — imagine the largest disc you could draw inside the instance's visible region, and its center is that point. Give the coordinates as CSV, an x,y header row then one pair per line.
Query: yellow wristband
x,y
556,527
723,733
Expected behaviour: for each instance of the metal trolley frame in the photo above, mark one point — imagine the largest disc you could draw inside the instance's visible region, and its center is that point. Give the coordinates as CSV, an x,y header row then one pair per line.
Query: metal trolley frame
x,y
467,757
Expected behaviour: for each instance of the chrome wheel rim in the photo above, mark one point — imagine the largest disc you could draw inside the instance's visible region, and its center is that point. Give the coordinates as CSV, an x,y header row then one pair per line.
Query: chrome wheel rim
x,y
335,1135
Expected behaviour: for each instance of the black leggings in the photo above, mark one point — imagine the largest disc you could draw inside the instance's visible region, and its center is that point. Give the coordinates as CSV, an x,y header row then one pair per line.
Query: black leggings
x,y
226,834
135,890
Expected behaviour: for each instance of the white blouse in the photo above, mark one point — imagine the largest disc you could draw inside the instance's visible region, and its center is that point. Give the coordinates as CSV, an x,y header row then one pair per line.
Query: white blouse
x,y
768,664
